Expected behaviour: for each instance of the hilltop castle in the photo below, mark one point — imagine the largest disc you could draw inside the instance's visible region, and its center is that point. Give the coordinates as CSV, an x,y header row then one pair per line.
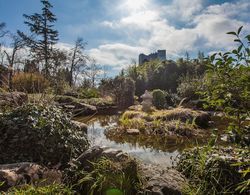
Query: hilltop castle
x,y
160,55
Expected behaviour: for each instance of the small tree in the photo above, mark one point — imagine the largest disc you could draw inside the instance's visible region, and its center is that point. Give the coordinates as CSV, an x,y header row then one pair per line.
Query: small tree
x,y
77,60
228,86
16,45
92,72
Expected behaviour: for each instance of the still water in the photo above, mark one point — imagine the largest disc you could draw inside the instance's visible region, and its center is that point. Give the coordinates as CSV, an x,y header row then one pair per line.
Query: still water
x,y
147,149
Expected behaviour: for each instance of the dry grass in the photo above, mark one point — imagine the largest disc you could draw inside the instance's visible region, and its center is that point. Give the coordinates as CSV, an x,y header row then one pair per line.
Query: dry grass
x,y
178,121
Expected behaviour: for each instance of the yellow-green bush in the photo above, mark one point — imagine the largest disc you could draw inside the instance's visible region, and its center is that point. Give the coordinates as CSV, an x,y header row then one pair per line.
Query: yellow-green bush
x,y
159,98
30,82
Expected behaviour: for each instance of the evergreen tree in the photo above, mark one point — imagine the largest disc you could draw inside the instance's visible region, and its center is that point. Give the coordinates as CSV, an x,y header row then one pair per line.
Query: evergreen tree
x,y
43,35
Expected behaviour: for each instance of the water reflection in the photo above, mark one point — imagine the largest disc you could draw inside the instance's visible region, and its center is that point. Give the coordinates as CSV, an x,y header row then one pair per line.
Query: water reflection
x,y
149,149
147,153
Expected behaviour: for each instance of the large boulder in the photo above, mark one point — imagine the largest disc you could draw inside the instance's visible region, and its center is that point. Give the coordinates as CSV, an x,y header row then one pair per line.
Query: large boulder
x,y
160,180
149,179
80,125
13,175
103,170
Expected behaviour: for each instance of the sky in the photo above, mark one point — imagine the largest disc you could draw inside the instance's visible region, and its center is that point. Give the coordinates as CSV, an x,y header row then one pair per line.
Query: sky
x,y
117,31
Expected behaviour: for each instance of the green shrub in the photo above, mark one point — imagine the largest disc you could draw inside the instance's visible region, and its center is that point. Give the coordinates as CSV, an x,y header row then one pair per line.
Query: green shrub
x,y
159,98
60,87
213,170
30,83
189,87
105,175
41,134
88,93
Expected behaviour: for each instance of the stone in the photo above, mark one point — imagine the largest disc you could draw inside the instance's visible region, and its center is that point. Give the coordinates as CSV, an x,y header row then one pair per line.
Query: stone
x,y
156,179
27,173
13,98
90,154
96,152
80,125
133,131
161,180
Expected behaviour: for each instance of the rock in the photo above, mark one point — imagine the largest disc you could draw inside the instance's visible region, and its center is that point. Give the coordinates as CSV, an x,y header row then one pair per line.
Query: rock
x,y
27,173
75,106
133,131
156,179
80,125
160,180
13,98
90,155
97,152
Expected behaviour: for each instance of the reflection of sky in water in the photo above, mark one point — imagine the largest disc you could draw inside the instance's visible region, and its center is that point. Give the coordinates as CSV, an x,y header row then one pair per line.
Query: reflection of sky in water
x,y
96,137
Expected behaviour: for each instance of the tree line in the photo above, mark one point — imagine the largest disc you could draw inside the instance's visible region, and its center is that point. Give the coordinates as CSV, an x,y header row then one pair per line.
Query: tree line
x,y
37,52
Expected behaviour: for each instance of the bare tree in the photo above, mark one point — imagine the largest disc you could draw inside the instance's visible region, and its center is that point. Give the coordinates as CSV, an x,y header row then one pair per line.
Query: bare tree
x,y
59,60
11,55
93,71
77,60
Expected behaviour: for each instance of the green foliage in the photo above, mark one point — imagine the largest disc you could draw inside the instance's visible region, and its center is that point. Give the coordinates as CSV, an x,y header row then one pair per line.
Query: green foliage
x,y
228,84
121,88
88,93
42,134
44,36
210,170
46,190
159,98
30,83
60,87
189,86
106,175
163,75
179,121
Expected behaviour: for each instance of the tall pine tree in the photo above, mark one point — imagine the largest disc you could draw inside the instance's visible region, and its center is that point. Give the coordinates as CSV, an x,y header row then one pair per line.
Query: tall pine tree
x,y
43,36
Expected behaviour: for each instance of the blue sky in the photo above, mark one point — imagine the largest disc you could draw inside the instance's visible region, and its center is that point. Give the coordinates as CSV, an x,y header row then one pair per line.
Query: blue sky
x,y
118,30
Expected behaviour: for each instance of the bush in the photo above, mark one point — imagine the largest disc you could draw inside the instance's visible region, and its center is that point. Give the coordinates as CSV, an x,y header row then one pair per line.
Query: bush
x,y
124,91
60,87
159,98
30,83
88,93
39,134
189,86
104,176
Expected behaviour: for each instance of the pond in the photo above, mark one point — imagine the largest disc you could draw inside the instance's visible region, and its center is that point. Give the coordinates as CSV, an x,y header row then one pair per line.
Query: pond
x,y
147,149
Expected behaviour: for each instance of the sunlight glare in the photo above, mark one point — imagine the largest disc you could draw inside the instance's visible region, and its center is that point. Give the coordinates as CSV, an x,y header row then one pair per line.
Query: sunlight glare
x,y
136,5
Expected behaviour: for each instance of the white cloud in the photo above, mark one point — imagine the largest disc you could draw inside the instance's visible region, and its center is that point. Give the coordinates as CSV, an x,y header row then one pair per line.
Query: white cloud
x,y
183,10
150,25
116,54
